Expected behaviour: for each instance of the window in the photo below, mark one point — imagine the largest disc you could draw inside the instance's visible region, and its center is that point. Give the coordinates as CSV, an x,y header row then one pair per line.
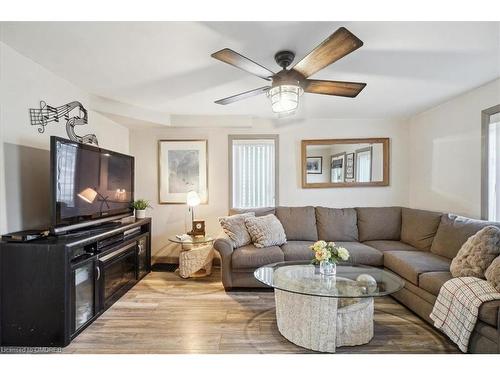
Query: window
x,y
364,165
66,166
253,171
491,164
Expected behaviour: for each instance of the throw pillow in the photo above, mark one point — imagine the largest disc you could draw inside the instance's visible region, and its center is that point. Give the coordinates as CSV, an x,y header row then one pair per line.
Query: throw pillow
x,y
235,228
477,253
493,273
265,231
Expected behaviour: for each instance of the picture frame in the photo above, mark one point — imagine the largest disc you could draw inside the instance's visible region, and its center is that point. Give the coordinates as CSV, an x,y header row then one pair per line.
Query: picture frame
x,y
314,165
182,167
349,166
338,168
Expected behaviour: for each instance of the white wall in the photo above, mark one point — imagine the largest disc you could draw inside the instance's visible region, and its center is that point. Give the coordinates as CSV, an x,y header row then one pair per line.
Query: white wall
x,y
23,83
170,219
325,152
445,153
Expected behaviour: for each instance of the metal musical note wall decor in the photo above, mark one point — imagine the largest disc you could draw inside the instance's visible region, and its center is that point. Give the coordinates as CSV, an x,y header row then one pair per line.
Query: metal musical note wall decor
x,y
42,116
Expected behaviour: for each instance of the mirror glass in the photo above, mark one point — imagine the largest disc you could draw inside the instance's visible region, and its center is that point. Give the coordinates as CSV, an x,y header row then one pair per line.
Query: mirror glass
x,y
335,163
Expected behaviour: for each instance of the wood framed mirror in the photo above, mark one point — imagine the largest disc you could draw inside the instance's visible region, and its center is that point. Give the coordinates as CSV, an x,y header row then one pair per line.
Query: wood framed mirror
x,y
331,163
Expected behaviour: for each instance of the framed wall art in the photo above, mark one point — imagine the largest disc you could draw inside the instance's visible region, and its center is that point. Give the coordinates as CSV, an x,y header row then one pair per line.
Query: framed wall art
x,y
338,167
182,167
349,166
314,165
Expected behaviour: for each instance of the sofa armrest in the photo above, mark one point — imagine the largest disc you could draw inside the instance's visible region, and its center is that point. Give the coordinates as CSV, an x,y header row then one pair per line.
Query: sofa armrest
x,y
224,246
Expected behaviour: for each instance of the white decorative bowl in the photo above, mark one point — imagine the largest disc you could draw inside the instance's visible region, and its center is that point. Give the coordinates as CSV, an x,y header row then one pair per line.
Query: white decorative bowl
x,y
368,281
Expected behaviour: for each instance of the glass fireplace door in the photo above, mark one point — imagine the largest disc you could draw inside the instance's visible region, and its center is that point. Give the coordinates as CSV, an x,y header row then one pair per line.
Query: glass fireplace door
x,y
143,256
83,293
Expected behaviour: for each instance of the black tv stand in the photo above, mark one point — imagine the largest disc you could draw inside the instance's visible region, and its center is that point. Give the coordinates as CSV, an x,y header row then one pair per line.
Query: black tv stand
x,y
51,289
91,230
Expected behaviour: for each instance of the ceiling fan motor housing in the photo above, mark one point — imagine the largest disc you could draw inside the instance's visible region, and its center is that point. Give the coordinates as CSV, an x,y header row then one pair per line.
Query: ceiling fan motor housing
x,y
288,77
284,58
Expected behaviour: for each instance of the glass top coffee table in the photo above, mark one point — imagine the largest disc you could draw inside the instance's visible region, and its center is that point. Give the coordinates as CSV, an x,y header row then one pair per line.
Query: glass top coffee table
x,y
321,312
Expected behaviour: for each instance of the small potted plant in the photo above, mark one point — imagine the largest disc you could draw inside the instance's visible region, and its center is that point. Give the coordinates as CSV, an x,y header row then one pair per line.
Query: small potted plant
x,y
140,206
327,255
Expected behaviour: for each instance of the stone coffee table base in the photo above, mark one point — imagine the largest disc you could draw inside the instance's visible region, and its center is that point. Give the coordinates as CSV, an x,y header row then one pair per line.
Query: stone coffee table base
x,y
324,323
196,261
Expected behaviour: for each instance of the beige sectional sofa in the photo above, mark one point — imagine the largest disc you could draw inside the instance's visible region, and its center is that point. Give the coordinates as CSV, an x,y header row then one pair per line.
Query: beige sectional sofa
x,y
417,245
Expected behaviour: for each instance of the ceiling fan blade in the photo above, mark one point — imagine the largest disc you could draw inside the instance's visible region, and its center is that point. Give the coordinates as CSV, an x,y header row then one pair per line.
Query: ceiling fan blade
x,y
337,88
336,46
243,95
239,61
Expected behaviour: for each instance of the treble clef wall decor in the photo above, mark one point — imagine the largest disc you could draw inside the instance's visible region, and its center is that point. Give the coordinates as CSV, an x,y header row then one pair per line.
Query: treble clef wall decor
x,y
42,116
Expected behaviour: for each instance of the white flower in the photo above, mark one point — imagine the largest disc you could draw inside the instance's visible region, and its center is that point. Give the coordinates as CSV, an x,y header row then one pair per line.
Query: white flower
x,y
318,246
323,254
331,244
342,253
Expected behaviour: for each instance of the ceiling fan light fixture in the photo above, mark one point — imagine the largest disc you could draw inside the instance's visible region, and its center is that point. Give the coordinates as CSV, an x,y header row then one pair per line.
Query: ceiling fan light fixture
x,y
285,98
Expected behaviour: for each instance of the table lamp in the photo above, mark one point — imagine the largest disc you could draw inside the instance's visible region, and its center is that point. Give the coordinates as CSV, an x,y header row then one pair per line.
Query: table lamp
x,y
89,195
198,226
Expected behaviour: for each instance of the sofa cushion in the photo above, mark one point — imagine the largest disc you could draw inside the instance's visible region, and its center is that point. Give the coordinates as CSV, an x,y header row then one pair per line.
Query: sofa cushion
x,y
235,228
433,281
362,254
452,233
265,231
379,223
387,245
251,257
424,294
261,211
488,312
297,250
410,264
477,253
418,227
337,224
299,223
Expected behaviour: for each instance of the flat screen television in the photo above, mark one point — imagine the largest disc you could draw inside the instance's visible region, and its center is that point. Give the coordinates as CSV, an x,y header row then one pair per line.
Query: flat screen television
x,y
90,185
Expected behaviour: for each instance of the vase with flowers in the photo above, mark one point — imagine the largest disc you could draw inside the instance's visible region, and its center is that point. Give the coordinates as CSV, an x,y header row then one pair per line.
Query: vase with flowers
x,y
327,255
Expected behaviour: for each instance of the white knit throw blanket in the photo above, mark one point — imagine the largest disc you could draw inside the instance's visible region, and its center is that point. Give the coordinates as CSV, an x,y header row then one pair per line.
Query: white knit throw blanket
x,y
456,309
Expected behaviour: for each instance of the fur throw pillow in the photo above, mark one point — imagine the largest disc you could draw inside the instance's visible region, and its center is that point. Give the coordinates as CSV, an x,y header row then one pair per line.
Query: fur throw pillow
x,y
477,253
266,231
235,228
493,273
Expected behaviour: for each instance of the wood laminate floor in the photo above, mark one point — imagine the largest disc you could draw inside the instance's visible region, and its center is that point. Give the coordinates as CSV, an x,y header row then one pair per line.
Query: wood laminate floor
x,y
166,314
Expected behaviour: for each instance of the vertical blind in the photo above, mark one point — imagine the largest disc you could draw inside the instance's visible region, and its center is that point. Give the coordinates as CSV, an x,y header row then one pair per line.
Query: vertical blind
x,y
364,166
253,173
66,167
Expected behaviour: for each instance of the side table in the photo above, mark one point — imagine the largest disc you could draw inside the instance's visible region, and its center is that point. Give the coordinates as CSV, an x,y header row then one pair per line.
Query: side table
x,y
196,256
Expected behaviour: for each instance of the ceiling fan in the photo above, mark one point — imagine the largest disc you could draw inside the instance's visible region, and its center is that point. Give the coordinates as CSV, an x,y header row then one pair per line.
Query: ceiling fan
x,y
289,84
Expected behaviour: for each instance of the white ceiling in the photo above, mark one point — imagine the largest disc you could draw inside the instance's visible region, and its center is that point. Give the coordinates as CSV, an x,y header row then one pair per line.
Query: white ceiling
x,y
166,66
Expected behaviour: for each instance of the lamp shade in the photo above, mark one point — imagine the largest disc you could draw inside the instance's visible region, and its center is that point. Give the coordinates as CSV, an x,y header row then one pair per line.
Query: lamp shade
x,y
193,199
285,98
88,195
120,195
